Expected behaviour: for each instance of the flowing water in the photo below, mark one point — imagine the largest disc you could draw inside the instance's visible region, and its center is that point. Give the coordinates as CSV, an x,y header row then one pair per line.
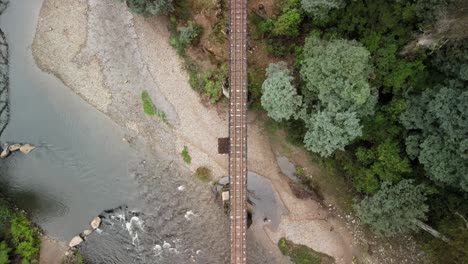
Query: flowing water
x,y
152,210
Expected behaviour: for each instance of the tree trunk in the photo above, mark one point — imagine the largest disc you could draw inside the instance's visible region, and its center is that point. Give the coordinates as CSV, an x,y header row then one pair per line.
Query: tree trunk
x,y
431,231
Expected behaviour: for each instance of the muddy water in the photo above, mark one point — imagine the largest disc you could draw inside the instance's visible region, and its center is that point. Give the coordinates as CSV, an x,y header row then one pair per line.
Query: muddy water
x,y
82,168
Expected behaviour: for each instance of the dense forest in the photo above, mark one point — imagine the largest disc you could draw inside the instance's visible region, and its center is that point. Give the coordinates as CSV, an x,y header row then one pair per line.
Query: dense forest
x,y
379,87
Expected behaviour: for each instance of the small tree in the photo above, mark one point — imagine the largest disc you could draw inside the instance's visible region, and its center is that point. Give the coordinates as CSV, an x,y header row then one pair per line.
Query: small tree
x,y
394,209
279,96
189,34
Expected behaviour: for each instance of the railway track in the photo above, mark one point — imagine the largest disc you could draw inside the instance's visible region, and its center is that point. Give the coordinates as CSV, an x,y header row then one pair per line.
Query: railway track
x,y
238,130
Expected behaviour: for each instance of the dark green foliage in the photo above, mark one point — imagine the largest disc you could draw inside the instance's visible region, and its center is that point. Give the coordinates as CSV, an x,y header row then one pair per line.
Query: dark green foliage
x,y
456,250
394,209
384,27
437,120
452,60
383,163
301,254
151,7
288,23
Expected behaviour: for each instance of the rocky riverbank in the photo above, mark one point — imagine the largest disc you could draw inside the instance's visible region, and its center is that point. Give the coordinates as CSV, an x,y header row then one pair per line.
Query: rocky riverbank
x,y
109,57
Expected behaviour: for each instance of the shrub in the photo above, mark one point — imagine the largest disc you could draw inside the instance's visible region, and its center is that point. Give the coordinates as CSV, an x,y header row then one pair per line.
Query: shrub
x,y
301,254
186,156
4,252
24,237
190,34
203,174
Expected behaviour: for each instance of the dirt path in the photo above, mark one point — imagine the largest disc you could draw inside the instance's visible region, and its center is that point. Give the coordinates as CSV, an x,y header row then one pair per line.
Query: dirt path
x,y
107,56
52,251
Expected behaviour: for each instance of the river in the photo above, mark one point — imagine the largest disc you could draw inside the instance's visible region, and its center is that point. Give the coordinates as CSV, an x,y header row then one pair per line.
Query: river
x,y
153,211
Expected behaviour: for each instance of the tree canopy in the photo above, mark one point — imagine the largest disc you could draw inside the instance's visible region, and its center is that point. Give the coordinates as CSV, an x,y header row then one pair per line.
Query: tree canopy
x,y
438,124
336,92
279,97
394,209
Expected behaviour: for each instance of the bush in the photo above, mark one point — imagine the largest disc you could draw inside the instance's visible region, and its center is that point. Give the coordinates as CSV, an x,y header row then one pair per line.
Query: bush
x,y
203,174
4,252
25,238
301,254
190,34
186,156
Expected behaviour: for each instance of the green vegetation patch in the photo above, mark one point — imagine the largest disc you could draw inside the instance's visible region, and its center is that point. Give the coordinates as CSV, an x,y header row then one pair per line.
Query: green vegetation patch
x,y
19,238
150,109
186,156
301,254
203,174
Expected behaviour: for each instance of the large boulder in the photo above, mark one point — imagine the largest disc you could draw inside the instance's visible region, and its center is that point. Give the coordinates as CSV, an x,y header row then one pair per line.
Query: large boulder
x,y
14,147
75,241
95,223
26,148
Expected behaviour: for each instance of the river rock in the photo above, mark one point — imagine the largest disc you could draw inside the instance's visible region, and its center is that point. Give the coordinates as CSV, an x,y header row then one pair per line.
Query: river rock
x,y
96,222
14,147
26,148
75,241
87,232
5,153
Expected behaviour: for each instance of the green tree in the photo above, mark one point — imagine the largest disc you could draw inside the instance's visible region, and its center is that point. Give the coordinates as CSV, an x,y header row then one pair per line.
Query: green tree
x,y
331,131
336,92
319,9
437,120
279,96
189,34
151,7
383,163
288,23
394,209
